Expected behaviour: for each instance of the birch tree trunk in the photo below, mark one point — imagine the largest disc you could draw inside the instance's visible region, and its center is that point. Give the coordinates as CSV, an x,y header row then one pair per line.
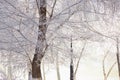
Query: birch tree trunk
x,y
71,70
9,67
57,67
29,76
71,63
118,60
43,67
41,41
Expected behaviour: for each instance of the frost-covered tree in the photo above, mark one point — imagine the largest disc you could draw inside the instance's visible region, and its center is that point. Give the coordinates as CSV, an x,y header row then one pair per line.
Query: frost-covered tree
x,y
32,28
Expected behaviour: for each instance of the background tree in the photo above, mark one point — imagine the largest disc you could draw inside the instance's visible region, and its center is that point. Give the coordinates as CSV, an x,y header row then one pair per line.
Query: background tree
x,y
35,23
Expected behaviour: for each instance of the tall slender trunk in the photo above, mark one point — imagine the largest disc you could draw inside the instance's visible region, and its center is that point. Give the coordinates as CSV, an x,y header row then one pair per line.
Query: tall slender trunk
x,y
29,76
118,64
9,67
71,70
71,63
57,67
118,60
41,41
43,67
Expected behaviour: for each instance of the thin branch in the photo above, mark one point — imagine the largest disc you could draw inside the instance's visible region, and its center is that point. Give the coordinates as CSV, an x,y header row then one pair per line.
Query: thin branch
x,y
79,59
23,49
111,69
53,9
95,31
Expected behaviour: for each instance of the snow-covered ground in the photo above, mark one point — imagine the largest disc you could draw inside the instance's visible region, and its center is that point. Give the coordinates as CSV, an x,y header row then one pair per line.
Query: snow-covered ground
x,y
85,72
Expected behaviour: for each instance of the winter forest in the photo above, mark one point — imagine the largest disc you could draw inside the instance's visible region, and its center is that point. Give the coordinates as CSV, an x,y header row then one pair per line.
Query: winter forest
x,y
59,39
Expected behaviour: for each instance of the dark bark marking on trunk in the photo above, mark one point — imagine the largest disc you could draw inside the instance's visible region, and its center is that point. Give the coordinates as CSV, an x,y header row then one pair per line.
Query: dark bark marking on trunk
x,y
118,60
71,71
36,72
